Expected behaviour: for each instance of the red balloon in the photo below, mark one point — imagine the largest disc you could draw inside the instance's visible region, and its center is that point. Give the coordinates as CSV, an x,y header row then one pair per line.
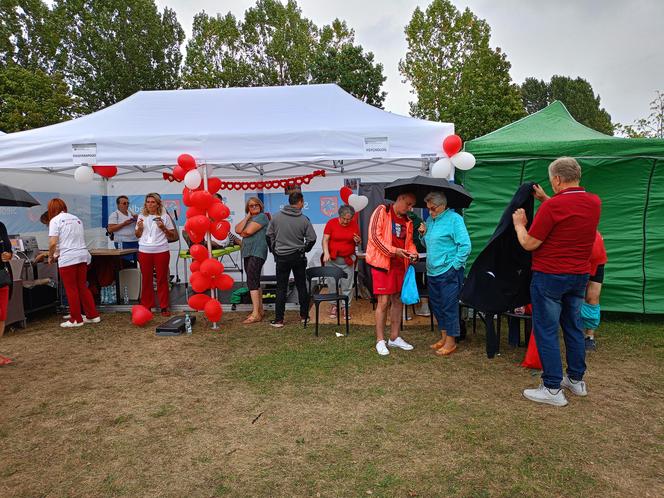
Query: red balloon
x,y
218,211
200,282
224,282
452,144
201,199
186,197
194,211
199,252
344,193
213,310
214,184
220,229
199,224
195,266
196,237
140,315
186,161
197,301
179,173
211,267
105,171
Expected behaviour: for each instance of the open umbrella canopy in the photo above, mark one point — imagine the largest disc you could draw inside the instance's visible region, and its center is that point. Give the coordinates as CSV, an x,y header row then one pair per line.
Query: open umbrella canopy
x,y
457,196
10,196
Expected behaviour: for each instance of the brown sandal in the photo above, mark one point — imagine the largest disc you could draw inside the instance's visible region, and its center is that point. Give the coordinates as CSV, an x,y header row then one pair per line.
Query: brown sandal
x,y
252,319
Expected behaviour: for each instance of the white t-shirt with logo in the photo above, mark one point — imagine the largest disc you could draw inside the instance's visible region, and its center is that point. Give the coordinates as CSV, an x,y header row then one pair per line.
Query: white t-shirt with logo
x,y
154,239
71,249
126,233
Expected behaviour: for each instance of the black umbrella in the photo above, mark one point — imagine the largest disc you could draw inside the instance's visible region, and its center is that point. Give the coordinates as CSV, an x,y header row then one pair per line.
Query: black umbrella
x,y
10,196
457,196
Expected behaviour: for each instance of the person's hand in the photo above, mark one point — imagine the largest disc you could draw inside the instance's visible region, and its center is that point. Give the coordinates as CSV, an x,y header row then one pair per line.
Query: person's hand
x,y
6,256
539,194
160,223
139,224
357,239
326,257
422,228
52,259
519,217
402,253
41,257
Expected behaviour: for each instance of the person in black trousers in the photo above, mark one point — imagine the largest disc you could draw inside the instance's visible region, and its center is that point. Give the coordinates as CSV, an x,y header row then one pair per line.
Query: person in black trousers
x,y
290,236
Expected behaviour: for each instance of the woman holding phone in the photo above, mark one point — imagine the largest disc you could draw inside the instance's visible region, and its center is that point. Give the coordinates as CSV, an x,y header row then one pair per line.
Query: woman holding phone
x,y
340,238
153,228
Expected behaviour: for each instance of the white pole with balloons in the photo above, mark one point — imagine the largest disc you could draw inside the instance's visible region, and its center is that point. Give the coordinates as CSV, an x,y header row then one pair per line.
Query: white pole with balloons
x,y
456,158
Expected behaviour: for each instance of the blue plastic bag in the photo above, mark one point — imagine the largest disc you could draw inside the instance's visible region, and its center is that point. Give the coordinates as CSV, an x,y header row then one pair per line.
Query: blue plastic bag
x,y
409,292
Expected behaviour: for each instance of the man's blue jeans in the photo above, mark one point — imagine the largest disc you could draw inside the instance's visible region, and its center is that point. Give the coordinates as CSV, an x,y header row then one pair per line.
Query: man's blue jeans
x,y
557,299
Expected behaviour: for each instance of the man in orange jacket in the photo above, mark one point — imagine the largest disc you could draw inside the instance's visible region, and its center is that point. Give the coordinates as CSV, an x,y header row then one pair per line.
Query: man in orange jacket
x,y
390,249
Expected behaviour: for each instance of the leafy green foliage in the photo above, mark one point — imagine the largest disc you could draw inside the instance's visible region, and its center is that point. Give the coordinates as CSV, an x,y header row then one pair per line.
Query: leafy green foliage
x,y
113,48
275,45
455,75
577,95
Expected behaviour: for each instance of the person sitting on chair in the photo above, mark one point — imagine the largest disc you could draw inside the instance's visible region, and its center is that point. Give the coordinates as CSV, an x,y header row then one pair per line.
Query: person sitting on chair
x,y
340,237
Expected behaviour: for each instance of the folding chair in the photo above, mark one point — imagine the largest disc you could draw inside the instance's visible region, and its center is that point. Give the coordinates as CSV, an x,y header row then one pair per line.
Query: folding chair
x,y
327,272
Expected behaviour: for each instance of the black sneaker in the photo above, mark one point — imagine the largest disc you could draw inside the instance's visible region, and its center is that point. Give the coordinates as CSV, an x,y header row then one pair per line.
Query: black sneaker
x,y
591,345
278,324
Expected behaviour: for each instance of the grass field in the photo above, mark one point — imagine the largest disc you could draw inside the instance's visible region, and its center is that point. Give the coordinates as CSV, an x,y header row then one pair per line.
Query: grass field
x,y
113,410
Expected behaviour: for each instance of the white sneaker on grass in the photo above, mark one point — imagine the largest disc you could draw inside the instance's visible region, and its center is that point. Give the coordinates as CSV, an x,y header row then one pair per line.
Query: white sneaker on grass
x,y
543,394
68,324
382,348
399,343
577,387
96,319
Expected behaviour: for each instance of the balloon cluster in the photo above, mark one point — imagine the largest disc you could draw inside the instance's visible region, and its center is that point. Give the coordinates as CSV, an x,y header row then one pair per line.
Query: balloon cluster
x,y
456,158
205,213
358,202
85,174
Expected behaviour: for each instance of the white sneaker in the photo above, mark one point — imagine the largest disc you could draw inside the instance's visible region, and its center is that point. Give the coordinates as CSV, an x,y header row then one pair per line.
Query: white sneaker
x,y
91,320
577,387
68,324
543,394
382,348
399,343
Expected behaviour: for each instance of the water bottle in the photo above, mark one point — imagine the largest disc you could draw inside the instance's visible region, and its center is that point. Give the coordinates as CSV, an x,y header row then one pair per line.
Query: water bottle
x,y
125,295
187,324
104,295
113,295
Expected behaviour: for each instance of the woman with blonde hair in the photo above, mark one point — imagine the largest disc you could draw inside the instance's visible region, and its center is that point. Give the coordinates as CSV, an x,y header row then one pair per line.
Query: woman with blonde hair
x,y
66,245
252,229
153,228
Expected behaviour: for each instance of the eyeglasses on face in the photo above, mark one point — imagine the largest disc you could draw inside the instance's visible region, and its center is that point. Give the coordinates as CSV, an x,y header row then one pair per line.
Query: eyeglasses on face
x,y
254,206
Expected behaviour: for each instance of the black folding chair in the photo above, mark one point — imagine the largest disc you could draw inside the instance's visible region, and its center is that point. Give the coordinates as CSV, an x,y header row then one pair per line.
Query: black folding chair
x,y
327,272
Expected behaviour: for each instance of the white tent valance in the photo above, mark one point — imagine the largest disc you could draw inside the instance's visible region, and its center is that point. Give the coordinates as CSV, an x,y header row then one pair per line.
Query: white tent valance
x,y
251,131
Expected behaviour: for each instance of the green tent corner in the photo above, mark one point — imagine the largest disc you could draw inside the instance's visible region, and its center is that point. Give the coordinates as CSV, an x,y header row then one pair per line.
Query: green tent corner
x,y
627,173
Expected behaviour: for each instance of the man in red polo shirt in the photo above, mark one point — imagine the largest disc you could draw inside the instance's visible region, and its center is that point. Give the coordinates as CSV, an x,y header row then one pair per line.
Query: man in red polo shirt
x,y
561,238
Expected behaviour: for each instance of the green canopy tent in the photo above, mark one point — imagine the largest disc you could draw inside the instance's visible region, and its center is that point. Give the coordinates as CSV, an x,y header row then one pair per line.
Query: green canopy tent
x,y
628,175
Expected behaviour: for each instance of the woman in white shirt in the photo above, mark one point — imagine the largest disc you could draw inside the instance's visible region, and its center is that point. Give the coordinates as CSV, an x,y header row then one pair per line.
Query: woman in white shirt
x,y
153,228
66,245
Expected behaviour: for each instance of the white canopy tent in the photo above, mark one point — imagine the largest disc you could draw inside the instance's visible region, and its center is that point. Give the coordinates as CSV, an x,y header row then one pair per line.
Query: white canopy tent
x,y
244,132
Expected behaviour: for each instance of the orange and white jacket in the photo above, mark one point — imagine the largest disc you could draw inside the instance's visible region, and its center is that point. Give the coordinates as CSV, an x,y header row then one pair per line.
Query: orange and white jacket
x,y
380,251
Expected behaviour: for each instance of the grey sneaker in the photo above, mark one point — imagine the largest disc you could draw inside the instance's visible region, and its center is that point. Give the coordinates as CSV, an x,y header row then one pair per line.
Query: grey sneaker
x,y
591,345
577,387
543,394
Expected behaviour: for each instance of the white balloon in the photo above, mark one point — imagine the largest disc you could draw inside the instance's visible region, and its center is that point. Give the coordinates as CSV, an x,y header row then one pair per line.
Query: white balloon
x,y
84,174
192,179
441,168
463,160
358,202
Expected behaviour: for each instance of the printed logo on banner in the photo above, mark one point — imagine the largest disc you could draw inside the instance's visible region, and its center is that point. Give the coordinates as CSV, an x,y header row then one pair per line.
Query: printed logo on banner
x,y
329,205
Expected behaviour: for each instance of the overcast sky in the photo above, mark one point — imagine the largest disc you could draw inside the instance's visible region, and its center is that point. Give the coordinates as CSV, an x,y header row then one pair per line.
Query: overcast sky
x,y
617,46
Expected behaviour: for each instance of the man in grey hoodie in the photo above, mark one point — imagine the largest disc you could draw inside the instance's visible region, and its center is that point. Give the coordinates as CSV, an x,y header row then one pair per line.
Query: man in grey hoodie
x,y
291,235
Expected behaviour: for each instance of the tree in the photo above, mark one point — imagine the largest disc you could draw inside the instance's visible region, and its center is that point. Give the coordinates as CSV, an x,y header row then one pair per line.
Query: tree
x,y
30,98
275,45
651,126
114,48
577,95
455,75
338,60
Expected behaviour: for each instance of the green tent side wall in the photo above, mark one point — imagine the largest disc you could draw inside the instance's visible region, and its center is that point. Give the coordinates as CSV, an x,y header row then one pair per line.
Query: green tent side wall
x,y
627,174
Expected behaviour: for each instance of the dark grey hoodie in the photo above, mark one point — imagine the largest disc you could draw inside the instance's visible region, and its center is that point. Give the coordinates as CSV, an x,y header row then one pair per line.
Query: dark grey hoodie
x,y
290,231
